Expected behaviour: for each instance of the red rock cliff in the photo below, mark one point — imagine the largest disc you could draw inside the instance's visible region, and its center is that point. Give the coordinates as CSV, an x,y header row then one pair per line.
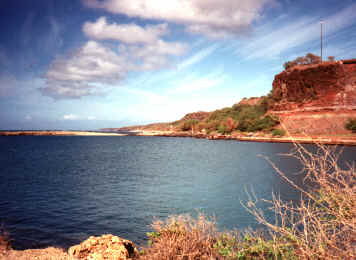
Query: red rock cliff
x,y
327,86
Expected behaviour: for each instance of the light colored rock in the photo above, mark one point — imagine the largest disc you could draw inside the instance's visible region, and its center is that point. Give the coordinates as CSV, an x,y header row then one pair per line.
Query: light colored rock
x,y
105,247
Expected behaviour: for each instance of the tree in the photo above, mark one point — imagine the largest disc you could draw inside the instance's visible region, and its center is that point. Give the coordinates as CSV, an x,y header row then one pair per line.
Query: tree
x,y
230,125
312,59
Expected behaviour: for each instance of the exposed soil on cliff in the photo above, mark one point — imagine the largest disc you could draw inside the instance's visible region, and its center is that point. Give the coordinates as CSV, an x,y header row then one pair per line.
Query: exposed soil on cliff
x,y
329,123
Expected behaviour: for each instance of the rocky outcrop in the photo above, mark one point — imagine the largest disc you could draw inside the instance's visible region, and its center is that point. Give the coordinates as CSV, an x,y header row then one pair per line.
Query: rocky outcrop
x,y
105,247
250,101
327,86
200,115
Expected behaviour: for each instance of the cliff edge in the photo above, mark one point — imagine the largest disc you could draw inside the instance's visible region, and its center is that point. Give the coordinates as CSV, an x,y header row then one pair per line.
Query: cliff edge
x,y
316,99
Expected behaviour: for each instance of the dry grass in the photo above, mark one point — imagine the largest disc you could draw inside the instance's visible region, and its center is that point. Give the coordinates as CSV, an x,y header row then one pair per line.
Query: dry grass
x,y
4,239
182,237
323,224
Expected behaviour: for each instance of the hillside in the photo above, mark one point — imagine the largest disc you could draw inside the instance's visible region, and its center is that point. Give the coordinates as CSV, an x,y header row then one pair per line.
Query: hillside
x,y
307,99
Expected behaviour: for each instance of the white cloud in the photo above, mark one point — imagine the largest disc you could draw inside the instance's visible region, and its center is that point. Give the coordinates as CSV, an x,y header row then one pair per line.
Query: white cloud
x,y
127,33
70,117
93,61
82,72
209,17
75,75
156,55
28,118
77,117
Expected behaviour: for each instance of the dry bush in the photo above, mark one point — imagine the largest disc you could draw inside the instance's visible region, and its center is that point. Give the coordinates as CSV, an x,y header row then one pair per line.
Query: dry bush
x,y
182,237
323,224
4,239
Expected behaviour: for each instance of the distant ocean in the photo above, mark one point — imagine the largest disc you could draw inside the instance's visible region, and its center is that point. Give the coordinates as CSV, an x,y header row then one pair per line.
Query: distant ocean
x,y
58,190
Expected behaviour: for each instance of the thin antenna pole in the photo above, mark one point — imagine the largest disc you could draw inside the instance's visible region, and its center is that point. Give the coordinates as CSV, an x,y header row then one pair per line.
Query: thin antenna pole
x,y
321,41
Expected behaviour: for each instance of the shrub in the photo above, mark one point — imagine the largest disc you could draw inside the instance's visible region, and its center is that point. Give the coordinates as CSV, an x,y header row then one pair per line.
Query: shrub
x,y
227,127
182,237
323,224
4,240
331,58
212,126
351,125
307,59
189,124
278,132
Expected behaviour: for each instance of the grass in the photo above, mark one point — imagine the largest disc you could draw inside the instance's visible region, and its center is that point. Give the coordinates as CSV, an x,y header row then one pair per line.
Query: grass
x,y
321,226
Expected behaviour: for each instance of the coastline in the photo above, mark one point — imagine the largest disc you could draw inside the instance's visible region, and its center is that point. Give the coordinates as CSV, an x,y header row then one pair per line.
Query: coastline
x,y
58,133
321,139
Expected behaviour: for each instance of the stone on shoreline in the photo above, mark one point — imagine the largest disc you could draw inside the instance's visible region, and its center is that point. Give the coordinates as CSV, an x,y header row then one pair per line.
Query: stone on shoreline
x,y
105,247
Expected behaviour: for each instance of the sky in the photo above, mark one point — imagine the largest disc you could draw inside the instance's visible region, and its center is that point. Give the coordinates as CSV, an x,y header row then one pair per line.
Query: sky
x,y
91,64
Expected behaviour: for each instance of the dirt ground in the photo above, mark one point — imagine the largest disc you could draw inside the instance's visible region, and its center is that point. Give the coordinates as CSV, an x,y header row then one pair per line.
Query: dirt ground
x,y
50,253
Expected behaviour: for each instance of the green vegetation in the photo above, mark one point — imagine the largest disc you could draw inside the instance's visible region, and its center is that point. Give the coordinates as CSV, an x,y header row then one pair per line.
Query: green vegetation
x,y
321,226
351,125
240,117
278,132
189,124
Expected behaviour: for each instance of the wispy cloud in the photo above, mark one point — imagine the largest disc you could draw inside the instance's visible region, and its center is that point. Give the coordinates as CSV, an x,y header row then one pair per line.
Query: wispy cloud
x,y
275,40
197,57
194,83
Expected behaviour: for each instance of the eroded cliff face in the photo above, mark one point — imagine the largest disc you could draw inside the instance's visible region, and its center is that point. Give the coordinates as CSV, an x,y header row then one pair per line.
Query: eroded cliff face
x,y
316,99
327,86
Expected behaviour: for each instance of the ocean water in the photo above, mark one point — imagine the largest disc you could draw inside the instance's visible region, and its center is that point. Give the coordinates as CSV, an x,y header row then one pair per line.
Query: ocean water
x,y
59,190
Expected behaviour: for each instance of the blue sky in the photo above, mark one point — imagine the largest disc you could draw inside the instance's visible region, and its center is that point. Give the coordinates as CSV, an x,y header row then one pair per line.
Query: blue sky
x,y
92,64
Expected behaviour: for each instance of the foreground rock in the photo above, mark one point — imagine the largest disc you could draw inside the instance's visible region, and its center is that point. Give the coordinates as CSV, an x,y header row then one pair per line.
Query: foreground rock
x,y
105,247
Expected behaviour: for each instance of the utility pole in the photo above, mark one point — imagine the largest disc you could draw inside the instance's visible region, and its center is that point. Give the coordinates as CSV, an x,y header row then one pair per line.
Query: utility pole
x,y
321,41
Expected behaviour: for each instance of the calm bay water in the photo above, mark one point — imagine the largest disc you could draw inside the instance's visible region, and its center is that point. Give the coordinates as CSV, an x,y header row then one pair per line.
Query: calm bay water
x,y
57,190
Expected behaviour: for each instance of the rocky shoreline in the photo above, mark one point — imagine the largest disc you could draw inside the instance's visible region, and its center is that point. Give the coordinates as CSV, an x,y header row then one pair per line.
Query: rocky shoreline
x,y
349,139
333,140
105,247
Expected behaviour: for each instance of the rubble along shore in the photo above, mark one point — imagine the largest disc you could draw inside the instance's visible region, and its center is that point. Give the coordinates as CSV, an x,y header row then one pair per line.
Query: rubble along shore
x,y
334,140
323,139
